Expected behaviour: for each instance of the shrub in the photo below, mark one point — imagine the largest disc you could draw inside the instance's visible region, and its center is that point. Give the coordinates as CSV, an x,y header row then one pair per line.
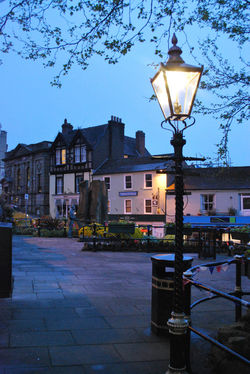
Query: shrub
x,y
23,231
52,233
49,223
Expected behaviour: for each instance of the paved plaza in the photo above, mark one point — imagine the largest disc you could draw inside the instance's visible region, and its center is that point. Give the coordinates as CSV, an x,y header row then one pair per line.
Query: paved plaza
x,y
80,312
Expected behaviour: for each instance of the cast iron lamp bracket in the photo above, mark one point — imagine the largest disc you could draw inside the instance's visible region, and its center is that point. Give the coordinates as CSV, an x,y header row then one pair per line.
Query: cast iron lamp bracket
x,y
174,123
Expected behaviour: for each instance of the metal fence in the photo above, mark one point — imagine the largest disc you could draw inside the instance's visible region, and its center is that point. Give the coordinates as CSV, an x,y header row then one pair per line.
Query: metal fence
x,y
242,264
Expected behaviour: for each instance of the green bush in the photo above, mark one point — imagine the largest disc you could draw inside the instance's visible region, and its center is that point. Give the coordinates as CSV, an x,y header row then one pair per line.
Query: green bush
x,y
52,233
23,231
49,223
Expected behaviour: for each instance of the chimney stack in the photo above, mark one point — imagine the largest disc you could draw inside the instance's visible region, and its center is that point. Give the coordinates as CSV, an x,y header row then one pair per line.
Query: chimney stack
x,y
116,138
140,142
66,127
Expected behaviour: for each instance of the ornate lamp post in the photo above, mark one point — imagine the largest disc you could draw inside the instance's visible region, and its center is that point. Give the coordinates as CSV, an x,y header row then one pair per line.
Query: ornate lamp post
x,y
175,86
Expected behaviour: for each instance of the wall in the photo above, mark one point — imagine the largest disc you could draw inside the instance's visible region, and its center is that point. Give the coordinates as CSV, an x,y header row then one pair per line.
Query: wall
x,y
192,203
117,185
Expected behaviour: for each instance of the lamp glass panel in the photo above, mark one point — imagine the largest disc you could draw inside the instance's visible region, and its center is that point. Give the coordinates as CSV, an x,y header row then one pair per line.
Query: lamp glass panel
x,y
182,87
159,87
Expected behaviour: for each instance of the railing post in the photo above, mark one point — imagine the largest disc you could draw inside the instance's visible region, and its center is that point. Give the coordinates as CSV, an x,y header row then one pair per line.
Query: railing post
x,y
238,289
187,310
94,236
39,228
65,228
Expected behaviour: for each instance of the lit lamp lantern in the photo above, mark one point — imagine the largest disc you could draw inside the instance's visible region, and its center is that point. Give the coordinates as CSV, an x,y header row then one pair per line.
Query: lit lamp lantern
x,y
175,85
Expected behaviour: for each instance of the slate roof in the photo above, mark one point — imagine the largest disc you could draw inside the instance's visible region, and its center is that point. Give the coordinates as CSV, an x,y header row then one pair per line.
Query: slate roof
x,y
95,133
132,165
219,178
25,149
130,147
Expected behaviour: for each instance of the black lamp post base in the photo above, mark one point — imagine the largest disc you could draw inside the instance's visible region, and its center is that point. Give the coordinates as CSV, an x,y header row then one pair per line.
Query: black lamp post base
x,y
178,331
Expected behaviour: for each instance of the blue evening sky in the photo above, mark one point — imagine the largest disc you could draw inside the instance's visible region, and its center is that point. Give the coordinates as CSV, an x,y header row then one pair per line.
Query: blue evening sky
x,y
33,111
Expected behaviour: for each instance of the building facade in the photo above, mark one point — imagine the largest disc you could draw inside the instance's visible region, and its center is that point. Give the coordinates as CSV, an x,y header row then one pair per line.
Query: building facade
x,y
214,191
136,189
26,180
3,150
75,154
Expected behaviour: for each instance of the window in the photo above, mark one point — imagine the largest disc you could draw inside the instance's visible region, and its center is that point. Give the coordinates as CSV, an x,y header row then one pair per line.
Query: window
x,y
245,204
80,153
39,187
207,202
107,182
77,154
108,206
78,180
27,179
59,184
60,156
128,206
18,179
83,154
148,206
128,182
63,156
148,180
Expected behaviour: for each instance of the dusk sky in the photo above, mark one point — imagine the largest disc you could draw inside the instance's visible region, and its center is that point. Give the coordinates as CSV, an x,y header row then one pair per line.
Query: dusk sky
x,y
33,111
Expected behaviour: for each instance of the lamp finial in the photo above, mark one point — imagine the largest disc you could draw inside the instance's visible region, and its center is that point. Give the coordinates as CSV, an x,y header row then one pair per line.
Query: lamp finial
x,y
175,52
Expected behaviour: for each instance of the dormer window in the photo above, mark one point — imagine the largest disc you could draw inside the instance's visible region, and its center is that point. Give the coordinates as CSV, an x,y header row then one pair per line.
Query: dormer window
x,y
61,156
80,153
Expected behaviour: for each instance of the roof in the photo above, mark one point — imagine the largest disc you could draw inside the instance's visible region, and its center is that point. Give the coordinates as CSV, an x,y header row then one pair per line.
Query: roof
x,y
25,149
226,178
132,165
130,147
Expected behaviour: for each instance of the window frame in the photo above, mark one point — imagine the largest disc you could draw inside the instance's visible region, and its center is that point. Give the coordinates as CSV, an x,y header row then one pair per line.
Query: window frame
x,y
77,184
58,177
125,182
242,197
203,203
39,185
104,179
145,181
125,206
145,206
61,156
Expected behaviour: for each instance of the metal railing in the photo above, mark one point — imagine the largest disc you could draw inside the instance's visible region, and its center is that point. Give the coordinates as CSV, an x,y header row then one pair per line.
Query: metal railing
x,y
234,296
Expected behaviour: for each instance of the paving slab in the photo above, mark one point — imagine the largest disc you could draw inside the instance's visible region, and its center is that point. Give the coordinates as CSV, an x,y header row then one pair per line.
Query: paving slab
x,y
75,312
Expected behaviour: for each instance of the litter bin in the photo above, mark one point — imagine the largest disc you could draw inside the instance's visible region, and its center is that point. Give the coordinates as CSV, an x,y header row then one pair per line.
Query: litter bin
x,y
5,259
163,290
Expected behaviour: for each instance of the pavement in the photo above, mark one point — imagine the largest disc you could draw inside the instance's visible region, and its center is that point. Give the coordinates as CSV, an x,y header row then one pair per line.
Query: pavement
x,y
79,312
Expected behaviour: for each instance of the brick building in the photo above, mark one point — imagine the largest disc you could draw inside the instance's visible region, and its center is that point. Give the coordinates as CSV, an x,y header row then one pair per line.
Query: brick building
x,y
26,180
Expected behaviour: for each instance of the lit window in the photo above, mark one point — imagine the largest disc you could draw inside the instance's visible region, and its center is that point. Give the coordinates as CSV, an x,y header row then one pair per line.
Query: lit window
x,y
207,202
148,180
128,206
63,156
108,206
128,181
107,182
148,206
60,156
